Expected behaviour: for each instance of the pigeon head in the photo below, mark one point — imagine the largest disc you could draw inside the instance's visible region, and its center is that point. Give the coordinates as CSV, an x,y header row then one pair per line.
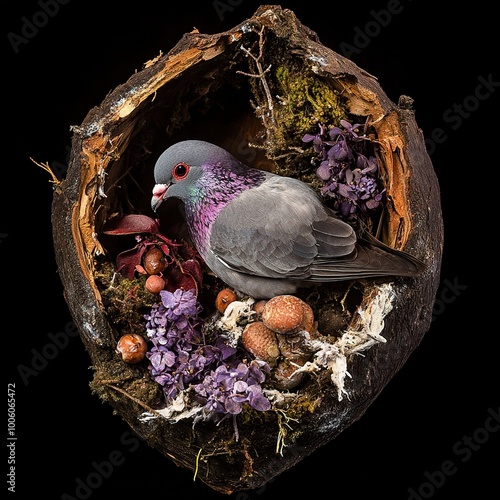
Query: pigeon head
x,y
180,166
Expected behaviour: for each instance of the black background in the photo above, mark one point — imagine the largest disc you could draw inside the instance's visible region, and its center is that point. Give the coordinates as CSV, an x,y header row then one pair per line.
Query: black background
x,y
445,391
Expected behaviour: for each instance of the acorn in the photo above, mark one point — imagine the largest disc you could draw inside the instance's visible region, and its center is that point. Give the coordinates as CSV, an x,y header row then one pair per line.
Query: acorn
x,y
132,348
258,307
154,261
261,342
287,314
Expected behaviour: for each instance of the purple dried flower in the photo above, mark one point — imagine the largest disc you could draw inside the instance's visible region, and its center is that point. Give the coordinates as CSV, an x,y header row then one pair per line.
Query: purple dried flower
x,y
324,171
349,175
334,132
180,303
308,137
339,151
351,129
179,358
231,385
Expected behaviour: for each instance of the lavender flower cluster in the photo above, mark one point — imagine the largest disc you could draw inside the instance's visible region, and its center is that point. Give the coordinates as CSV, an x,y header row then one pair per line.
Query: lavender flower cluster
x,y
350,177
230,385
179,358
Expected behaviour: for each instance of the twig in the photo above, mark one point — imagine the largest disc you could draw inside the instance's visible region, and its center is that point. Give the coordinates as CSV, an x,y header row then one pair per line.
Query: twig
x,y
134,399
260,72
45,166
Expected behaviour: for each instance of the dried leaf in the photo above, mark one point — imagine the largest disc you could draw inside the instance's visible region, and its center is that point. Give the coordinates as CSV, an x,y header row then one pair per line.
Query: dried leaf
x,y
131,224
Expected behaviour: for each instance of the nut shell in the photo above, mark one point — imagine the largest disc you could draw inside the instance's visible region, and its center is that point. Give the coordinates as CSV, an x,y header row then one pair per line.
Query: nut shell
x,y
261,342
132,348
287,314
154,261
155,284
308,318
224,298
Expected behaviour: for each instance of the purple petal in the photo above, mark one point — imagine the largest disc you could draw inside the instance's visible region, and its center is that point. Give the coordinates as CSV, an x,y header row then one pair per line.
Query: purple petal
x,y
371,204
260,403
131,224
323,171
344,190
349,176
240,386
169,358
334,132
232,406
241,370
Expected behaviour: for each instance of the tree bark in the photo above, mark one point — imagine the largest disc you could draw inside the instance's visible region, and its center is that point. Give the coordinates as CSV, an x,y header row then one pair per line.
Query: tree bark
x,y
117,145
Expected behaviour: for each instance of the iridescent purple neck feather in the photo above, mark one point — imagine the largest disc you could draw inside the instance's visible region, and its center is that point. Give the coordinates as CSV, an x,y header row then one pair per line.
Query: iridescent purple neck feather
x,y
216,187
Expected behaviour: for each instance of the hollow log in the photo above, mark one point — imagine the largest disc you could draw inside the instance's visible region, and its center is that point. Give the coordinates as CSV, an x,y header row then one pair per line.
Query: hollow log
x,y
209,87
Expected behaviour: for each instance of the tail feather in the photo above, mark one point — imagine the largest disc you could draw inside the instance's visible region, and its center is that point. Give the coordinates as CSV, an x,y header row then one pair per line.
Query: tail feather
x,y
371,259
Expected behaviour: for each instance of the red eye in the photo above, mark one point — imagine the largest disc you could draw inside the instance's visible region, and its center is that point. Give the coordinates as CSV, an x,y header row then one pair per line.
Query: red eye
x,y
180,171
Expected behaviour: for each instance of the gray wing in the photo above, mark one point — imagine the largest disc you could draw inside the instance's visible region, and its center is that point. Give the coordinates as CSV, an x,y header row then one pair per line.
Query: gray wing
x,y
277,230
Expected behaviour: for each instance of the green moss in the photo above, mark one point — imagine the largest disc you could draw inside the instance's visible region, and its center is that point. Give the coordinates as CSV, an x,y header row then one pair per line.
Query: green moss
x,y
300,100
115,379
304,404
253,417
304,100
126,300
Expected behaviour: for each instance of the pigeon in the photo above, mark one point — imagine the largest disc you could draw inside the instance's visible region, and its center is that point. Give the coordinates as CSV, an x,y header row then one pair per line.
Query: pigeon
x,y
265,234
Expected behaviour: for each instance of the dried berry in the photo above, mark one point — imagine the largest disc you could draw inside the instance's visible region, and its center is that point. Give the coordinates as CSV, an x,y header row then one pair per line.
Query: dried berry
x,y
154,261
132,348
155,283
224,298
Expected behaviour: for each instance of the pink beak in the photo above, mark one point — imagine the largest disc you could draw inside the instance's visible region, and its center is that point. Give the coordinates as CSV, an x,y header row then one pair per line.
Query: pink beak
x,y
159,192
